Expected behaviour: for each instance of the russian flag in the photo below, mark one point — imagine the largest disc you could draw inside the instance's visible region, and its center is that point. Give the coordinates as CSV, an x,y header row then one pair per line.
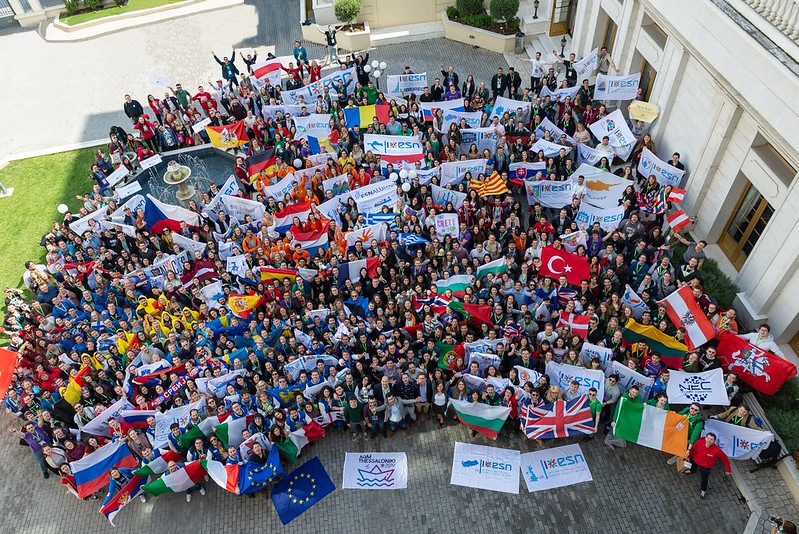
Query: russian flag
x,y
91,471
126,493
135,418
284,219
159,215
313,241
352,269
362,115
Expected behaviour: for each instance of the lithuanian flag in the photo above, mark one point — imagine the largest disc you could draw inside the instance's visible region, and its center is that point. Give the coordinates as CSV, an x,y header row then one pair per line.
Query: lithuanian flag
x,y
662,430
259,162
493,185
362,115
671,351
228,136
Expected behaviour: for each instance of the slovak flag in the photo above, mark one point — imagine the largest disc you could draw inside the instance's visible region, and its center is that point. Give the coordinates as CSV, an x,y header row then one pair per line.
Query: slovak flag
x,y
91,471
678,220
577,323
352,269
314,240
683,310
524,170
284,219
557,262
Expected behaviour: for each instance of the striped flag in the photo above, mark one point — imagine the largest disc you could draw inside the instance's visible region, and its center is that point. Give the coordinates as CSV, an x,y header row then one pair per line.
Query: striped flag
x,y
677,195
482,418
291,447
313,241
126,493
671,351
662,430
683,310
457,284
678,220
159,463
264,161
181,480
493,185
493,267
268,70
92,471
362,115
378,218
410,240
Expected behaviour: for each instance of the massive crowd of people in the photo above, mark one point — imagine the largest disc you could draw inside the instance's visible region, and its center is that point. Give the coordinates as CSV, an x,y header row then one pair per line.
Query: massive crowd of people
x,y
94,319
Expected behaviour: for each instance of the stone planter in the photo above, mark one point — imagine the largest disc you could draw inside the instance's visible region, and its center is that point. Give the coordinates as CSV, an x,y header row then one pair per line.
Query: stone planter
x,y
350,41
115,18
476,36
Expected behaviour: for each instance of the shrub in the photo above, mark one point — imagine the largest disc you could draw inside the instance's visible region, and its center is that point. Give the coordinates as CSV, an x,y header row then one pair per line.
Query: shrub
x,y
470,7
781,411
480,20
717,284
452,12
93,4
71,6
347,10
504,10
120,3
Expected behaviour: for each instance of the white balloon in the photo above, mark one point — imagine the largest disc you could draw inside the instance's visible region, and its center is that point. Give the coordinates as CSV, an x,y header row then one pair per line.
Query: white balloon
x,y
297,163
383,65
376,74
367,68
406,187
375,63
412,174
62,208
403,173
393,176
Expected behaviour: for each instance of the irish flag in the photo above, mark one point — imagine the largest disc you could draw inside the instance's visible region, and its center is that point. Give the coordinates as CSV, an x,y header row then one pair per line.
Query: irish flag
x,y
180,480
291,447
683,310
494,267
227,476
651,427
482,418
457,284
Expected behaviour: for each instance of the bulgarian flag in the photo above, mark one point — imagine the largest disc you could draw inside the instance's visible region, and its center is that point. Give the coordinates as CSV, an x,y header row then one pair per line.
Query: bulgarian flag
x,y
291,447
494,267
159,464
482,418
473,313
457,284
671,350
651,427
181,480
226,476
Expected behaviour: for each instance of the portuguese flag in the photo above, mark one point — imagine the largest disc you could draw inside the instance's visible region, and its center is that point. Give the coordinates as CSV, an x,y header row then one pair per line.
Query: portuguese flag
x,y
482,418
447,354
180,480
473,313
651,427
671,351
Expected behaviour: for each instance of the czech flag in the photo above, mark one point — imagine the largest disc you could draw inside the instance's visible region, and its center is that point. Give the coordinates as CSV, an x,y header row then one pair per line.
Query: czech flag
x,y
159,215
284,219
352,269
228,136
260,162
313,241
362,115
91,471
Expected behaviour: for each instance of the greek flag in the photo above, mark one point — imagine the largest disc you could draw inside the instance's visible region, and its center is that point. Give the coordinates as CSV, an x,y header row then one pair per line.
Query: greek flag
x,y
412,239
380,217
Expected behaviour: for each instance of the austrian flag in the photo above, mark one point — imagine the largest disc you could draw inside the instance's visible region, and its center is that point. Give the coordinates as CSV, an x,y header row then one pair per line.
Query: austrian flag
x,y
678,220
683,311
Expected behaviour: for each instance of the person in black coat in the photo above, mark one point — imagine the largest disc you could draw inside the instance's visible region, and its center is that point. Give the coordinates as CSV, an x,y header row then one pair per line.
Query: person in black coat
x,y
513,81
450,76
132,109
229,69
498,83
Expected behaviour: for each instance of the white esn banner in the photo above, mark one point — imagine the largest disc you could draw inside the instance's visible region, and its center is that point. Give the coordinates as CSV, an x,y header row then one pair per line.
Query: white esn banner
x,y
491,468
376,470
554,468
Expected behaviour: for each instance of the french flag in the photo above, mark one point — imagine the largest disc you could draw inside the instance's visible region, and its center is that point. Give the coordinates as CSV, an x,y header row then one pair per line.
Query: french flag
x,y
159,215
284,219
313,241
352,270
91,471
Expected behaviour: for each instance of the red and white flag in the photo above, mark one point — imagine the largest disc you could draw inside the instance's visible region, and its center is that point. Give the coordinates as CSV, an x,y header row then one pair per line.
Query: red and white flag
x,y
558,262
678,220
577,323
677,195
683,310
268,71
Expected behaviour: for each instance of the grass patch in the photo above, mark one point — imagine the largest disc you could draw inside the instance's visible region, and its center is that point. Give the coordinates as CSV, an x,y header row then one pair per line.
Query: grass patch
x,y
132,5
40,185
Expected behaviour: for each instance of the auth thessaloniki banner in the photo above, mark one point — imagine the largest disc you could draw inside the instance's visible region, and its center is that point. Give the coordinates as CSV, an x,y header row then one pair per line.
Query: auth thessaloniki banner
x,y
491,468
376,470
554,468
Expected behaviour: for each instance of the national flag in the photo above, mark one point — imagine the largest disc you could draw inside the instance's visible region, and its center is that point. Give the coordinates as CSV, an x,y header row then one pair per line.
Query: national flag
x,y
495,267
91,471
671,351
683,310
291,447
269,70
437,303
256,477
135,418
159,463
367,234
457,284
566,295
662,430
242,305
448,355
677,195
301,489
411,240
201,271
522,170
284,219
654,203
577,323
126,493
351,270
363,115
8,360
159,215
273,273
99,425
181,480
482,418
72,268
359,306
263,161
152,374
491,186
320,145
225,475
380,217
559,419
557,262
314,240
512,332
678,220
761,369
228,136
474,314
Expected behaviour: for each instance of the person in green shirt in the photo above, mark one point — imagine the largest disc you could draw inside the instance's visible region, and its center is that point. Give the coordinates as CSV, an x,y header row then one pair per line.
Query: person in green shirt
x,y
353,416
182,95
659,401
696,422
490,397
596,411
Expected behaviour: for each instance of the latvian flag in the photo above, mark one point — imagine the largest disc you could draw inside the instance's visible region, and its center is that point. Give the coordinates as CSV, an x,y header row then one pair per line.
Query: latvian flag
x,y
284,219
268,70
577,323
311,242
352,269
683,310
676,195
678,220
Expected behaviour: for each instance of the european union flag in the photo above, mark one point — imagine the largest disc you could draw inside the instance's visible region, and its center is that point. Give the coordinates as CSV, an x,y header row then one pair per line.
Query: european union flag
x,y
301,489
254,477
286,394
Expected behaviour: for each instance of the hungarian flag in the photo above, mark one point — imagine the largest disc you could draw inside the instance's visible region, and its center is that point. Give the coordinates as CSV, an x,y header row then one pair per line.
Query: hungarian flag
x,y
683,310
678,220
482,418
494,267
558,262
181,480
242,305
290,448
264,161
671,351
474,314
577,323
662,430
228,136
268,70
493,185
676,195
126,493
448,354
759,368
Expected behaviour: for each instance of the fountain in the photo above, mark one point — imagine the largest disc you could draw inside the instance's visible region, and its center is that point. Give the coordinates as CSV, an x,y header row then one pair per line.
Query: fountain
x,y
177,174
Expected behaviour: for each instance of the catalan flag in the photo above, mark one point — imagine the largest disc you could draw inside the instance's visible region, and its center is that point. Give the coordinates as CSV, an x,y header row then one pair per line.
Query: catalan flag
x,y
259,162
363,115
493,185
228,136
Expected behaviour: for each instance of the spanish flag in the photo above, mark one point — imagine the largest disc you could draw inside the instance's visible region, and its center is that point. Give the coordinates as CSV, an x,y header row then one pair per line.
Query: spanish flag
x,y
269,273
493,185
259,162
671,351
363,115
242,305
228,136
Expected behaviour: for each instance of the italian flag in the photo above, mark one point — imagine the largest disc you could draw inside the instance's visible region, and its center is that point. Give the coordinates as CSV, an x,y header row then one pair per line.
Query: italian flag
x,y
227,476
651,427
494,267
482,418
178,481
228,430
159,464
291,447
457,284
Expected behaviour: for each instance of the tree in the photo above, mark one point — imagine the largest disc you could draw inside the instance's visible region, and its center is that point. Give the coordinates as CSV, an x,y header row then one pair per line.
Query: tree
x,y
469,7
504,10
347,10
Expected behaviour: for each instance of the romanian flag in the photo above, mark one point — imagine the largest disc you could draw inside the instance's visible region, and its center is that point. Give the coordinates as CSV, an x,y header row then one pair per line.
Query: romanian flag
x,y
228,136
671,351
259,162
269,273
362,115
493,185
242,305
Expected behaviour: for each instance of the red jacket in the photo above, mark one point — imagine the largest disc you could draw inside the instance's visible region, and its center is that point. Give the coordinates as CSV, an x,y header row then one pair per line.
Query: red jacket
x,y
706,457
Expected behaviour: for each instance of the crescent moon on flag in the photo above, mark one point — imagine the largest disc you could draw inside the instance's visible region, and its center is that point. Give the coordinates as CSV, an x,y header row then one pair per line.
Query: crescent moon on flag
x,y
551,268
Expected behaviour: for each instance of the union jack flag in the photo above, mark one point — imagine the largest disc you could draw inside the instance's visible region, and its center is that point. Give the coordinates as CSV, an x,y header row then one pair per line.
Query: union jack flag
x,y
513,332
559,419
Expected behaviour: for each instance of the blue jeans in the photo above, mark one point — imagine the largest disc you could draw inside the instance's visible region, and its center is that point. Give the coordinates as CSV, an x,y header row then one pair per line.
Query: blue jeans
x,y
39,457
378,427
403,424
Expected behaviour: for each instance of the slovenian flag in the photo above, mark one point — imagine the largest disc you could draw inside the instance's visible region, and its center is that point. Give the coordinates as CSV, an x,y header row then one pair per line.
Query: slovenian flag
x,y
313,241
284,219
159,215
352,269
362,115
91,471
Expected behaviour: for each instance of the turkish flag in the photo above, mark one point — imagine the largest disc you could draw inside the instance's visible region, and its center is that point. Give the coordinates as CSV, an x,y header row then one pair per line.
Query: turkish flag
x,y
8,361
558,262
759,368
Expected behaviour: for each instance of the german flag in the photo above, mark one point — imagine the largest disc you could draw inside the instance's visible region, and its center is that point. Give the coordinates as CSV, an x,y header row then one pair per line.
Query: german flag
x,y
493,185
228,136
262,161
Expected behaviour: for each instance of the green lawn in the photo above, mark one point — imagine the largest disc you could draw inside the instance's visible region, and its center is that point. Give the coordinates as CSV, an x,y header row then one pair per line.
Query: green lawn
x,y
40,185
132,5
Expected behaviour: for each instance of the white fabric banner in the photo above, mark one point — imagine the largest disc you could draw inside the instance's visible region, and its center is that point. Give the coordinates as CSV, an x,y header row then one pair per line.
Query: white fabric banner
x,y
188,244
483,345
230,188
706,388
367,234
617,87
629,378
554,468
392,145
631,298
311,91
665,173
239,208
586,154
453,172
175,415
313,125
550,149
442,195
607,218
502,104
270,112
491,468
561,375
451,116
483,360
559,94
482,137
375,470
280,189
590,351
738,442
401,85
602,189
374,204
99,425
615,127
547,125
447,224
429,108
549,193
587,65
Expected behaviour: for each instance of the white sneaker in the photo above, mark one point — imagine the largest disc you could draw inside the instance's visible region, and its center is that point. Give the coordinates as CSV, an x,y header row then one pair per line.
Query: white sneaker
x,y
143,498
672,460
188,497
202,491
